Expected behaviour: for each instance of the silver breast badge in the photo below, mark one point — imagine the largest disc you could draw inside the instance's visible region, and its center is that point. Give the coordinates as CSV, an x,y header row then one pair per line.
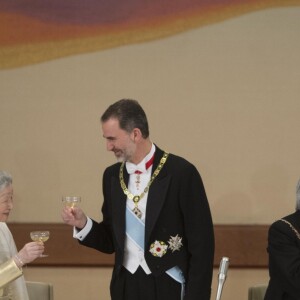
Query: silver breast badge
x,y
175,243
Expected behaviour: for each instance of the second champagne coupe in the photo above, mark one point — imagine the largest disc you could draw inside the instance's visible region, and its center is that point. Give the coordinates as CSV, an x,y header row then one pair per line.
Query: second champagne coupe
x,y
40,237
71,201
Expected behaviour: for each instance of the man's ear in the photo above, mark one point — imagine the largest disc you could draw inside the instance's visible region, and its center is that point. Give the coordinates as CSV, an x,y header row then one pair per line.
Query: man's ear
x,y
137,135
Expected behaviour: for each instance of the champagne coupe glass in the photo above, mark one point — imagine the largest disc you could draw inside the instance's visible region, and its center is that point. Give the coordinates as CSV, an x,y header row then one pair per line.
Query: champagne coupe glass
x,y
71,201
41,237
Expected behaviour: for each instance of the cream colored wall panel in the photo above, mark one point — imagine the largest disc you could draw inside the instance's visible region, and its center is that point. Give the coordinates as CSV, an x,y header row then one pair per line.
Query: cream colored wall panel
x,y
225,96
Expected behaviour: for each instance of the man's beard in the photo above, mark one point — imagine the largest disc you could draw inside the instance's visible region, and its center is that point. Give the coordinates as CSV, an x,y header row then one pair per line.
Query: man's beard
x,y
120,159
120,156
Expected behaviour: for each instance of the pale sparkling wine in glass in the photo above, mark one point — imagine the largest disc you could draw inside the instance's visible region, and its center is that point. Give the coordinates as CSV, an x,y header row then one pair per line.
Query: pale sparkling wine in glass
x,y
40,237
71,201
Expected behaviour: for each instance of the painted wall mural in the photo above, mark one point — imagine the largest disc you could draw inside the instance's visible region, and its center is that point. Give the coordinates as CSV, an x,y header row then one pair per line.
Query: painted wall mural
x,y
34,31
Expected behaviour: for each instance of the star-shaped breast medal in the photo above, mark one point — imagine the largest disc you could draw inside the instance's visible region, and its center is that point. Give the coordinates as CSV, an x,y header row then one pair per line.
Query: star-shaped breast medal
x,y
175,243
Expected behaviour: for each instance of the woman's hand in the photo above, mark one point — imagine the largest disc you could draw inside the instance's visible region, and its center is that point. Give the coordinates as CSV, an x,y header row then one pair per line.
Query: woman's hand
x,y
28,253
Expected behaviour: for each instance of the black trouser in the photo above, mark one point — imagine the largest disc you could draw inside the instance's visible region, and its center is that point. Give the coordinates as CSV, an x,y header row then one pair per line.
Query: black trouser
x,y
140,286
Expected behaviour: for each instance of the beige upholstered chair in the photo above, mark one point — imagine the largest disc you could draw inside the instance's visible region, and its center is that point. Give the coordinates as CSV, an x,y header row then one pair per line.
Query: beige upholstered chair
x,y
39,290
257,292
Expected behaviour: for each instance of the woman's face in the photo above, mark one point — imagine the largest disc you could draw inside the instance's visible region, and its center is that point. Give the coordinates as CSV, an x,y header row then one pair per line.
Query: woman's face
x,y
6,202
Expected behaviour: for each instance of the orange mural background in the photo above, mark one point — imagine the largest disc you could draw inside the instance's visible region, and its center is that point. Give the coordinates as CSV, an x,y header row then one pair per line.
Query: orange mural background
x,y
33,31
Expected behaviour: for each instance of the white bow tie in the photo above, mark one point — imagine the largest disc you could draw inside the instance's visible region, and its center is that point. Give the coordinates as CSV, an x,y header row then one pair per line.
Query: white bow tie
x,y
132,168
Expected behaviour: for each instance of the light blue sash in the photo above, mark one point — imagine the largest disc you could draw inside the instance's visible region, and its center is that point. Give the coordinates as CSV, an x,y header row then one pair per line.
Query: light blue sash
x,y
135,230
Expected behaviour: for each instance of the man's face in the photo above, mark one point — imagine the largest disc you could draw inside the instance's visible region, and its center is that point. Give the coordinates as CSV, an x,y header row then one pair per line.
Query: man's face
x,y
118,140
6,202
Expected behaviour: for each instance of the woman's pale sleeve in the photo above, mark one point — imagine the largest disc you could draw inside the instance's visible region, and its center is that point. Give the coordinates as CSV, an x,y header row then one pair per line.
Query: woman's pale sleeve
x,y
9,271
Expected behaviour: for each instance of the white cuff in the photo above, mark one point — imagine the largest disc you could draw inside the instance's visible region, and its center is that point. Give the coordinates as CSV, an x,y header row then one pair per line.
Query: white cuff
x,y
81,235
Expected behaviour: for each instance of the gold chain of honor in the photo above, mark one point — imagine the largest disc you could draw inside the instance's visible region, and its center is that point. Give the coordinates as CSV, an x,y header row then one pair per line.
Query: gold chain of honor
x,y
137,198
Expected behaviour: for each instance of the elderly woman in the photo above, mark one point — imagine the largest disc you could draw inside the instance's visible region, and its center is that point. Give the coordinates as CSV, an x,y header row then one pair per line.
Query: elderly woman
x,y
284,256
11,262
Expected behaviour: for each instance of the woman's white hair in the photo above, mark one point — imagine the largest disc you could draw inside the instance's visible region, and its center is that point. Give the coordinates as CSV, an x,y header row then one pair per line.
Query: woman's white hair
x,y
5,180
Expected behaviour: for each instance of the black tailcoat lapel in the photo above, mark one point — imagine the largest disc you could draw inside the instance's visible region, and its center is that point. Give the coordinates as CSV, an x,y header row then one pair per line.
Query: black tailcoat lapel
x,y
155,201
118,199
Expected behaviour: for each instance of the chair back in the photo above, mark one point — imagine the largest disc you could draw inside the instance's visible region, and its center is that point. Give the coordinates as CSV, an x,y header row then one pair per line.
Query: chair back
x,y
257,292
39,290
